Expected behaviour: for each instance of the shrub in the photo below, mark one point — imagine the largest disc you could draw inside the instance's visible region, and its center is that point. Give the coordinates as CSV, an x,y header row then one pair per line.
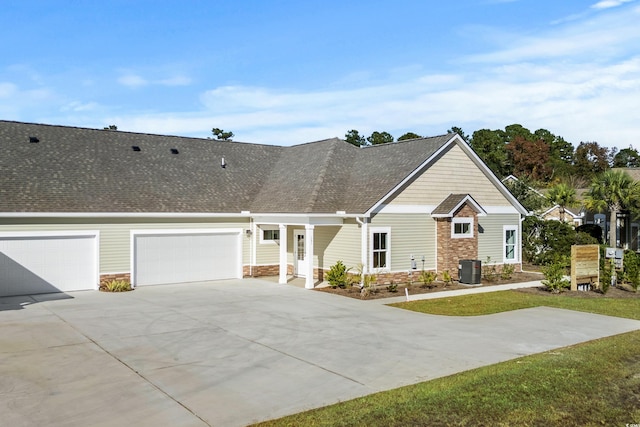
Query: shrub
x,y
446,278
543,242
392,287
554,277
427,278
489,270
369,282
337,275
631,269
116,286
507,271
606,271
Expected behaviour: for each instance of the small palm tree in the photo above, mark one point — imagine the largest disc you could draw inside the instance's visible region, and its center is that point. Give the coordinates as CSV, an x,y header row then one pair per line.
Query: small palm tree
x,y
563,196
612,191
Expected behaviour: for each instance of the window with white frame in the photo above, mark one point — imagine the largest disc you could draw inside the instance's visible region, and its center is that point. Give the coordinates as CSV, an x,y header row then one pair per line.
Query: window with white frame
x,y
380,248
461,228
269,234
510,239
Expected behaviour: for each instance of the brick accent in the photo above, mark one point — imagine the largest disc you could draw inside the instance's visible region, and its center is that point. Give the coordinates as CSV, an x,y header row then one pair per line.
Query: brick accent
x,y
265,270
104,278
450,250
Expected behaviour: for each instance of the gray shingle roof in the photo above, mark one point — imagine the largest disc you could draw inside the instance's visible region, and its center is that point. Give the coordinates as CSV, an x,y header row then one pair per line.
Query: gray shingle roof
x,y
87,170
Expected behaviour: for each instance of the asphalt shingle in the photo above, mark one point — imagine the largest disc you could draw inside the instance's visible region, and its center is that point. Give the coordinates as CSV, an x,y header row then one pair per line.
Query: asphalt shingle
x,y
74,169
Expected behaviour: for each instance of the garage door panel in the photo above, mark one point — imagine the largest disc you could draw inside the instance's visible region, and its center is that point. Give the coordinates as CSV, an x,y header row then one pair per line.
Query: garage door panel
x,y
186,257
44,264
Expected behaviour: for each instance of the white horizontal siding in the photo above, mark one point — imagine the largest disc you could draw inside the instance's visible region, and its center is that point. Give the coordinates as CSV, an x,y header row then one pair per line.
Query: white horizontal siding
x,y
411,234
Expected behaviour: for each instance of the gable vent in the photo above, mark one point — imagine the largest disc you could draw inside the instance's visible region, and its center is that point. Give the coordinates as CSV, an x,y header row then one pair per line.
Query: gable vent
x,y
33,139
135,148
174,151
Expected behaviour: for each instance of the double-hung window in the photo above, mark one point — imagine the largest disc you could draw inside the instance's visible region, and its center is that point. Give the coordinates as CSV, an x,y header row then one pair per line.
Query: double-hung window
x,y
380,248
510,239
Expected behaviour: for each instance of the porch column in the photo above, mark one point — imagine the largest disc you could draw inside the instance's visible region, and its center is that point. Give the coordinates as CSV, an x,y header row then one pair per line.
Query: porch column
x,y
308,255
283,254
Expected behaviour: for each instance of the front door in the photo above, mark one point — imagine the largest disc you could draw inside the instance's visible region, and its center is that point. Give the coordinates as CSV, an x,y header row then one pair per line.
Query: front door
x,y
299,253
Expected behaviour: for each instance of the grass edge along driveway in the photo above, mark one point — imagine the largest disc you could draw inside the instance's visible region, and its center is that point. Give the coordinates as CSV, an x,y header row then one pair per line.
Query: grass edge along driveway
x,y
593,383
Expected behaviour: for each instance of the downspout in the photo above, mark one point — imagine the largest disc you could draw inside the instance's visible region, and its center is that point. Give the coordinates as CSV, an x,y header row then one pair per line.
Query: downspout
x,y
363,248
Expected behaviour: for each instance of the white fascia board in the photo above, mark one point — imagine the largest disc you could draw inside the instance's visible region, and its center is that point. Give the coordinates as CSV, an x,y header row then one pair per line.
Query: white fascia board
x,y
301,219
121,215
467,199
418,170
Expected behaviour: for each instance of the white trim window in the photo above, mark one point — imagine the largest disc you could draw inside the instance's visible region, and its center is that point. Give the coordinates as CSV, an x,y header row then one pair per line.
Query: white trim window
x,y
380,248
510,241
269,234
461,228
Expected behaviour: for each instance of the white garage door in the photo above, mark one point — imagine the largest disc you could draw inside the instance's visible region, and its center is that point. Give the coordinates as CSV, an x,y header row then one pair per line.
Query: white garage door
x,y
44,263
180,256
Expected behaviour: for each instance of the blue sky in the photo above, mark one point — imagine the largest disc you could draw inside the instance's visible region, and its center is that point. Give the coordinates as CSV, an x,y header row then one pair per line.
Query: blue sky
x,y
292,71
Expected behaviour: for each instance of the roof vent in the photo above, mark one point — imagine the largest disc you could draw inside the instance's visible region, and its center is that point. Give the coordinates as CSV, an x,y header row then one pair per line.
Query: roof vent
x,y
135,148
174,151
33,139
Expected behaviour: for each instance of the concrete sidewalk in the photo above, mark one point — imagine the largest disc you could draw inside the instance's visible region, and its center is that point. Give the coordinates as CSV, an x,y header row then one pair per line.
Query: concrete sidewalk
x,y
457,292
236,352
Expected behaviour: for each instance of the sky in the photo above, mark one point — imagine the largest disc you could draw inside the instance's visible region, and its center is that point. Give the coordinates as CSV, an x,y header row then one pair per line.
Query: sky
x,y
286,72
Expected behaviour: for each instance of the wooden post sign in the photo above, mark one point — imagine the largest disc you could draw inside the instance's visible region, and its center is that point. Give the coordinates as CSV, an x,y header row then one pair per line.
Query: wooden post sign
x,y
585,266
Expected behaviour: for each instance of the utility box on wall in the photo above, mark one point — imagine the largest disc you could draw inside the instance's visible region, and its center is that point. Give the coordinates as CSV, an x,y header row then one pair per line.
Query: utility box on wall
x,y
470,271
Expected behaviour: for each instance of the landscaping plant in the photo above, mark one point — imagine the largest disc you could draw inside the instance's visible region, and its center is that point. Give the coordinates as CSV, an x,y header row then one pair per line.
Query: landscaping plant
x,y
337,275
554,277
116,286
631,269
446,278
427,278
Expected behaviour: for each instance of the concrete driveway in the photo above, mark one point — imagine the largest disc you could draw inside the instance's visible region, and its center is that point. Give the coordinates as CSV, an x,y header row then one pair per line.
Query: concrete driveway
x,y
236,352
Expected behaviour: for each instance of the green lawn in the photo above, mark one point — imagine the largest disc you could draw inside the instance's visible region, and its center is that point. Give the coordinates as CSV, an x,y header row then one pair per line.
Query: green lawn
x,y
595,383
496,302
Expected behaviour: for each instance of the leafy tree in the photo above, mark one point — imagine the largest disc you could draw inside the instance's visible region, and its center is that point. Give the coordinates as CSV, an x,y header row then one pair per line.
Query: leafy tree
x,y
522,189
380,138
409,135
613,191
529,157
627,158
560,153
490,147
353,137
516,131
549,241
111,127
563,196
590,159
221,134
459,131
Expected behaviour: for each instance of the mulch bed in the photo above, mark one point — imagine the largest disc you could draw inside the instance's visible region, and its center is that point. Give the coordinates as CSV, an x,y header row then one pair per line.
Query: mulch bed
x,y
383,291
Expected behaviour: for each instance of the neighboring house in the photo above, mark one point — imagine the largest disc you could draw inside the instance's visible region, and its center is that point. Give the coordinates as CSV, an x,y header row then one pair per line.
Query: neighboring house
x,y
627,225
553,213
79,206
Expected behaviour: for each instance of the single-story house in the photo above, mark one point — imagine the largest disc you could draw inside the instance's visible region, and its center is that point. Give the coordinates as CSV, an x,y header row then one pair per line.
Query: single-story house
x,y
79,206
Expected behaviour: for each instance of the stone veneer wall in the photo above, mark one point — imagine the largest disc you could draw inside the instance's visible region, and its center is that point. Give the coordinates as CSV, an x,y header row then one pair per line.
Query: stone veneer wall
x,y
450,250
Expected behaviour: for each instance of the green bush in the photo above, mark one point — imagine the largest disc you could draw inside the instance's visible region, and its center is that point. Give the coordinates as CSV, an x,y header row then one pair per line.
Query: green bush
x,y
554,277
546,242
446,278
116,286
489,270
507,271
337,275
631,267
427,278
392,287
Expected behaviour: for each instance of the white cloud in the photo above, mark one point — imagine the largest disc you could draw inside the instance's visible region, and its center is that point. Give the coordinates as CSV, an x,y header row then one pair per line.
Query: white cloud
x,y
607,4
135,80
132,80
